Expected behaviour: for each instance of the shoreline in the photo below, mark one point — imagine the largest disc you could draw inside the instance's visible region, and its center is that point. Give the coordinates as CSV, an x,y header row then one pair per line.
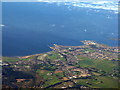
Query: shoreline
x,y
63,46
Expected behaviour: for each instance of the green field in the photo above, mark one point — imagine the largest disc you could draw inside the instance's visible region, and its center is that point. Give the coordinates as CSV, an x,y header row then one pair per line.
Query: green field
x,y
99,82
51,79
8,59
55,56
104,65
11,59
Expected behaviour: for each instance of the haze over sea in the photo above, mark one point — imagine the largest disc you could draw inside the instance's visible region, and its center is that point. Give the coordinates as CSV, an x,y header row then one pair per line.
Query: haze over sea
x,y
30,28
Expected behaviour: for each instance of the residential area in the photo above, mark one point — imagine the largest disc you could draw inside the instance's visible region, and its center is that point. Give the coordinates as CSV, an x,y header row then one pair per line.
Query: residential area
x,y
87,66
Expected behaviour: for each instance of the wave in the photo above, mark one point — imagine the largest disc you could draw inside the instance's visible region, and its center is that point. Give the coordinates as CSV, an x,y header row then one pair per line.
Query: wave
x,y
106,5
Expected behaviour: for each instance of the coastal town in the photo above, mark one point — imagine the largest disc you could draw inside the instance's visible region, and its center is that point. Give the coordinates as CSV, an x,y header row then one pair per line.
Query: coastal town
x,y
86,66
90,49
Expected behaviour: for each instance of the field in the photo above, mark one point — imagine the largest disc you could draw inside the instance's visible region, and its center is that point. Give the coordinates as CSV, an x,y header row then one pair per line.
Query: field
x,y
99,82
103,65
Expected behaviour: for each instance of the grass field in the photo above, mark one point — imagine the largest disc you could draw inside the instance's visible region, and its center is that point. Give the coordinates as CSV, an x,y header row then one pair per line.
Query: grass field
x,y
51,78
104,65
9,59
99,82
54,56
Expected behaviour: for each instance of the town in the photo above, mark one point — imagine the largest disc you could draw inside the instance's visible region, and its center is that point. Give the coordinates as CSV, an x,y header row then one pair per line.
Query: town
x,y
87,66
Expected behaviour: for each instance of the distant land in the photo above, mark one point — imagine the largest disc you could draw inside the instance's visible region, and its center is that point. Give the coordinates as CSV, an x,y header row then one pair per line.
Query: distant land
x,y
91,65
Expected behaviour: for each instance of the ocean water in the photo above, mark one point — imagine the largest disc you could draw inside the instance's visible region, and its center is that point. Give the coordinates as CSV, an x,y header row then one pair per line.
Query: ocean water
x,y
30,28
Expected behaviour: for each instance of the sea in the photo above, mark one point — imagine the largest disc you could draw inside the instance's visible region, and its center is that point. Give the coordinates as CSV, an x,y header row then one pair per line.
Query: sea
x,y
31,27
